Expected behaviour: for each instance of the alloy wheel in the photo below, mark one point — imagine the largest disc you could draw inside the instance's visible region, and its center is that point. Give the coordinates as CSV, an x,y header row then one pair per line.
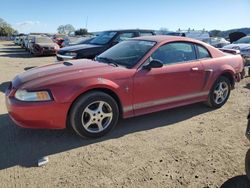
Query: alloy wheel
x,y
221,92
97,116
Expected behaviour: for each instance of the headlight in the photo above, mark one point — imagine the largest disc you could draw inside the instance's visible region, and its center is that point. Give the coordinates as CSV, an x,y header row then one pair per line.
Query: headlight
x,y
24,95
73,54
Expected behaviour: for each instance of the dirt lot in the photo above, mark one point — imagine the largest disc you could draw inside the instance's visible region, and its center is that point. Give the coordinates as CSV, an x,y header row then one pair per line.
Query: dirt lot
x,y
191,146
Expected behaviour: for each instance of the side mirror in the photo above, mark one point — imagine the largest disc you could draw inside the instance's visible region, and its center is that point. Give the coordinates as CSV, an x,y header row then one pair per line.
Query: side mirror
x,y
155,63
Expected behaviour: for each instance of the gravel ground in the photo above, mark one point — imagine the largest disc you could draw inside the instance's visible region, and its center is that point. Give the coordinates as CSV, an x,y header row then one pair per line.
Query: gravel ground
x,y
191,146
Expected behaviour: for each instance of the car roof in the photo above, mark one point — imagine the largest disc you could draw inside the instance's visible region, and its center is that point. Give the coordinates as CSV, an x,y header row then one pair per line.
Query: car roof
x,y
167,38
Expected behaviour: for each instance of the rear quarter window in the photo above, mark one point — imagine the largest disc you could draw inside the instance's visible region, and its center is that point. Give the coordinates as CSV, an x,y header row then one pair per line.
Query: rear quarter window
x,y
203,53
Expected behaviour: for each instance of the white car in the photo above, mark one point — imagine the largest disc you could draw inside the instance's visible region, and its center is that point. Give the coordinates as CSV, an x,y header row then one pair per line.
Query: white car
x,y
27,41
16,40
243,44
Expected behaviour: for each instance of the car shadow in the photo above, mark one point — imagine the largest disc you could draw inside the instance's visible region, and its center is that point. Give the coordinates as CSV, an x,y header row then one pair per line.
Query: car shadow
x,y
25,146
9,44
18,53
247,86
4,86
237,182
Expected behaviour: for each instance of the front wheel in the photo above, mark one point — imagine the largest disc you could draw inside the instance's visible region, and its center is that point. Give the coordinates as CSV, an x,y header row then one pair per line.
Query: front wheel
x,y
247,164
94,114
219,93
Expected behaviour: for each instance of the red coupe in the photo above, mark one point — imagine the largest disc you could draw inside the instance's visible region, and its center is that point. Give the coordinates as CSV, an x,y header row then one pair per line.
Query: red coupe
x,y
135,77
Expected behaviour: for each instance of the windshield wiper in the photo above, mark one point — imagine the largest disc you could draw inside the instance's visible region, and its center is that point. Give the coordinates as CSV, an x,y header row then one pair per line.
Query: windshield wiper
x,y
109,61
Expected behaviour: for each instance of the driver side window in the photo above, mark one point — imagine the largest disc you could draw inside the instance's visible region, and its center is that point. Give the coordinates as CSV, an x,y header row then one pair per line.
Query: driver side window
x,y
175,52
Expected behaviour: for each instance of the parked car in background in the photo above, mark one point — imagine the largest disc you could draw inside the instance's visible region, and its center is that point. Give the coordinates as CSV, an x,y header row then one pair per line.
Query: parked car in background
x,y
21,41
27,41
194,34
217,42
41,45
99,44
135,77
16,40
243,45
59,38
71,41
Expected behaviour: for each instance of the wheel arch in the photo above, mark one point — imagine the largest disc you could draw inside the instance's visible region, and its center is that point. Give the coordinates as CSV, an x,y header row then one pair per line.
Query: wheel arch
x,y
108,91
230,76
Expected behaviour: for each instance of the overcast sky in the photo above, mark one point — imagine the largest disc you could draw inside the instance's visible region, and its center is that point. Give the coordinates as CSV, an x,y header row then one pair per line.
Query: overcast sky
x,y
46,15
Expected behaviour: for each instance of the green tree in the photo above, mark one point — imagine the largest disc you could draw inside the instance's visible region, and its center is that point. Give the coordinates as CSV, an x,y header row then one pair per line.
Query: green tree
x,y
65,29
6,29
81,31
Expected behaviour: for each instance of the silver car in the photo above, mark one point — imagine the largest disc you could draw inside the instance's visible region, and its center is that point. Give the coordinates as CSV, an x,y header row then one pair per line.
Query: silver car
x,y
243,44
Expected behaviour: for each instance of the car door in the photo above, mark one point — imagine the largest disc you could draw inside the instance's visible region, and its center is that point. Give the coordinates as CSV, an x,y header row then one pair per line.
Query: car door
x,y
179,81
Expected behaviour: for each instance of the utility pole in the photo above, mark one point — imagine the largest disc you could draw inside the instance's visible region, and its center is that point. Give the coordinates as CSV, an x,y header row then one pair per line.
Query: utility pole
x,y
86,24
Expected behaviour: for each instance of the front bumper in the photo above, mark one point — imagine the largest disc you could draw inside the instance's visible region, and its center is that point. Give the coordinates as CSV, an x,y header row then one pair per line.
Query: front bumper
x,y
48,115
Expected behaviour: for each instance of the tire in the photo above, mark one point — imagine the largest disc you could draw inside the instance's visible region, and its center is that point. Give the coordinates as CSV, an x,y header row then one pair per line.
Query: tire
x,y
247,164
219,93
94,114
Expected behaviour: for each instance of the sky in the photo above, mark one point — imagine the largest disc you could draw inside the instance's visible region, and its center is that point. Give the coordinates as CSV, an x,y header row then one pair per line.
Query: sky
x,y
97,15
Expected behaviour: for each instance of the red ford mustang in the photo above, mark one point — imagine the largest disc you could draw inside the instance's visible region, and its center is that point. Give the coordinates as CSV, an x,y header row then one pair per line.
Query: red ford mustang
x,y
135,77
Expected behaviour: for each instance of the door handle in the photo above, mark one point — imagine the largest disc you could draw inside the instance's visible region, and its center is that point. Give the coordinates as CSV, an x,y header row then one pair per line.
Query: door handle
x,y
195,69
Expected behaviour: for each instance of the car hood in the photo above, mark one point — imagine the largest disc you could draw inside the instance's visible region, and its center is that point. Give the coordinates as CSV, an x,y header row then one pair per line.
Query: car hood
x,y
61,72
79,47
241,46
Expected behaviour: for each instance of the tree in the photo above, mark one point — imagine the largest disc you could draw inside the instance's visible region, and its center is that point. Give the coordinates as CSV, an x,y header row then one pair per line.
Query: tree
x,y
81,31
65,29
6,29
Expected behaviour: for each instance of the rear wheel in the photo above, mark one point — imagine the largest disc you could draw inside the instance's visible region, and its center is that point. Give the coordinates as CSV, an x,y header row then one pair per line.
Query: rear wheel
x,y
94,114
219,93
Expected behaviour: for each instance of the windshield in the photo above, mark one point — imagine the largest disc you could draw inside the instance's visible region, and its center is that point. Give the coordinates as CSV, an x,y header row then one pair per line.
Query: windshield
x,y
126,53
44,40
243,40
83,40
103,38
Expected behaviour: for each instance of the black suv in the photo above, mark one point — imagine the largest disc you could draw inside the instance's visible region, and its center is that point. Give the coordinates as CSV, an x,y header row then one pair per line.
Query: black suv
x,y
99,44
